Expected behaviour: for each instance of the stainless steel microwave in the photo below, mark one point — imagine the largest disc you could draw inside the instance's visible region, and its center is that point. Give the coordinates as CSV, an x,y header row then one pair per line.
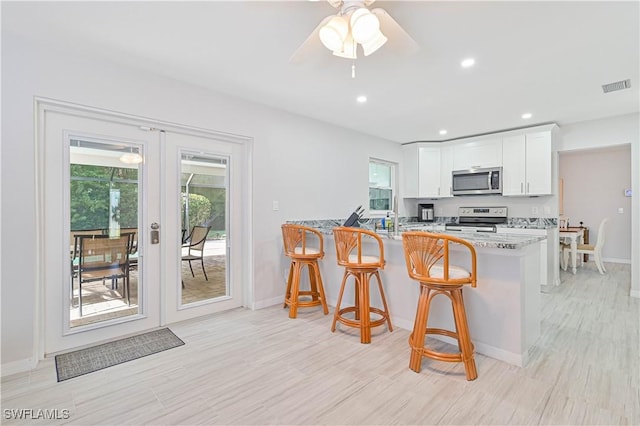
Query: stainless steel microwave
x,y
477,181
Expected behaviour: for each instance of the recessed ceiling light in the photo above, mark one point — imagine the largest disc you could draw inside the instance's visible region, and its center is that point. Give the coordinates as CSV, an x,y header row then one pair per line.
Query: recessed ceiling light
x,y
469,62
443,132
527,115
361,99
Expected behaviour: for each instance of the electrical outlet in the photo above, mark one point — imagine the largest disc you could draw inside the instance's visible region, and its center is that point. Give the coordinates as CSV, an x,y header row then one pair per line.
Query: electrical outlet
x,y
534,210
621,210
276,206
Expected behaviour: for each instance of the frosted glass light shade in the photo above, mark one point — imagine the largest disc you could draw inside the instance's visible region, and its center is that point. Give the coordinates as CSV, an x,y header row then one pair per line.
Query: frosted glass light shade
x,y
131,158
374,44
334,33
364,25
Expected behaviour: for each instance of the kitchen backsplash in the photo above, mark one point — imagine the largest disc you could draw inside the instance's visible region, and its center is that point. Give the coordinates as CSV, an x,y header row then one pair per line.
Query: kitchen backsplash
x,y
513,222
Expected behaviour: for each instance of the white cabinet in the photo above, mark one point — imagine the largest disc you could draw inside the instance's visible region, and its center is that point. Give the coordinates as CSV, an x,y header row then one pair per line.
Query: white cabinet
x,y
421,170
526,164
446,167
477,154
425,167
513,165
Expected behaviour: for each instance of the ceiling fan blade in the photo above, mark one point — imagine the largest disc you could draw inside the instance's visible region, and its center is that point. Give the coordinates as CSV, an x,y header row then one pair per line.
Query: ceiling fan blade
x,y
311,45
399,40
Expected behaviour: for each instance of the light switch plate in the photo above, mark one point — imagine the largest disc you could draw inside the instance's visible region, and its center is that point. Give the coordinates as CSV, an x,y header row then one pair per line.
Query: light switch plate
x,y
621,210
276,206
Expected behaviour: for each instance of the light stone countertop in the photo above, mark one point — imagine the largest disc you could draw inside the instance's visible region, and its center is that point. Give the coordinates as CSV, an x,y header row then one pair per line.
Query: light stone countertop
x,y
484,239
477,239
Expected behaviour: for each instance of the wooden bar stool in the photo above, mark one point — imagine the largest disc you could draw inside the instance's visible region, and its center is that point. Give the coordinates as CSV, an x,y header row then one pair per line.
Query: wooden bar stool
x,y
296,238
350,253
427,258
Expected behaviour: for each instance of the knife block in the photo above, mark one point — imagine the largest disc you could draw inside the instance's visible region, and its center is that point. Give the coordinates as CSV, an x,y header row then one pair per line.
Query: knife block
x,y
352,221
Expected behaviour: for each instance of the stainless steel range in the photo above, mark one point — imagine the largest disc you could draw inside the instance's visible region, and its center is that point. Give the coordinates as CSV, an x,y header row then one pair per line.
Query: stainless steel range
x,y
478,219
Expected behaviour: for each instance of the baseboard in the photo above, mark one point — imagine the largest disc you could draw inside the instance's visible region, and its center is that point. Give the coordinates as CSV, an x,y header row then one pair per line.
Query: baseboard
x,y
267,303
19,366
615,260
491,351
402,323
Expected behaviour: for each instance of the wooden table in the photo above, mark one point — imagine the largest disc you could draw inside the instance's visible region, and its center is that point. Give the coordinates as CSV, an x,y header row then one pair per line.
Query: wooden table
x,y
575,236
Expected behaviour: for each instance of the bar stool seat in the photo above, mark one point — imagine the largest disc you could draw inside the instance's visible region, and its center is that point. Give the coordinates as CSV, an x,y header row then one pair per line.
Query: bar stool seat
x,y
427,259
350,253
296,238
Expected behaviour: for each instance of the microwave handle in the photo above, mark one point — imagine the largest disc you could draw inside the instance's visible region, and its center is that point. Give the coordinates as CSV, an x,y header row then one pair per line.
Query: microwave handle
x,y
489,180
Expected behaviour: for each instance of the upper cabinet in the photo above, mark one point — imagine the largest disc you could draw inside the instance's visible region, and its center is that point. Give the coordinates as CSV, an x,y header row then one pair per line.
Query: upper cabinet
x,y
446,167
527,164
423,171
486,152
523,154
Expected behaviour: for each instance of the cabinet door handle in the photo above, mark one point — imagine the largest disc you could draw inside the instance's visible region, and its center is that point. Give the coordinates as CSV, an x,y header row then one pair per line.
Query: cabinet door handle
x,y
522,187
527,187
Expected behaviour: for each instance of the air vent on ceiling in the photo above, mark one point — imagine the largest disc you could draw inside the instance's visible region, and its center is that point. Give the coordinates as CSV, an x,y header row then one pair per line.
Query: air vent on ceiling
x,y
618,85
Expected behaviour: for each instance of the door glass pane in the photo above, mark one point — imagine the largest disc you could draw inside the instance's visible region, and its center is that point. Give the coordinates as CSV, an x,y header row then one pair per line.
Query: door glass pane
x,y
103,240
203,187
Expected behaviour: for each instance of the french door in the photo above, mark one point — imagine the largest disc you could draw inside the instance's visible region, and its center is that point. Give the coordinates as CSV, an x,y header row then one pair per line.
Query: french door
x,y
203,187
138,227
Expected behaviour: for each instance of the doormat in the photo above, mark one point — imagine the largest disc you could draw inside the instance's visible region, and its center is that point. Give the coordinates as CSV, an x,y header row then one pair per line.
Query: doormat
x,y
84,361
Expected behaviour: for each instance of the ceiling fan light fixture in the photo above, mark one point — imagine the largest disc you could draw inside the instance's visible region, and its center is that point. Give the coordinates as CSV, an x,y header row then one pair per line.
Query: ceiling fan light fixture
x,y
374,44
334,33
364,25
348,49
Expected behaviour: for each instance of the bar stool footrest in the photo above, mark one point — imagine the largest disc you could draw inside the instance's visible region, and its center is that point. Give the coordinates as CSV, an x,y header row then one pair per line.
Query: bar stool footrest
x,y
305,303
356,322
440,356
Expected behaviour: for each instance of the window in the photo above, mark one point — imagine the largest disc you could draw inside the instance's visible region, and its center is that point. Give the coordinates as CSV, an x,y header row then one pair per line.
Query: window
x,y
381,186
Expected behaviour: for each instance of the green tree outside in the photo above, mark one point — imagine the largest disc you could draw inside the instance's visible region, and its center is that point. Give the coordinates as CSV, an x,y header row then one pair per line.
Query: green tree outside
x,y
89,196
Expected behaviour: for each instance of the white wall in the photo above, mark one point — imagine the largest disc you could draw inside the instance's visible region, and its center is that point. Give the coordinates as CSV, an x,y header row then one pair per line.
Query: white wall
x,y
594,184
607,133
313,169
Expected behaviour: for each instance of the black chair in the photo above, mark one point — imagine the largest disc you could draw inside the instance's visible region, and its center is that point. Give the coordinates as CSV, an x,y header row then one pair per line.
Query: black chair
x,y
101,257
195,247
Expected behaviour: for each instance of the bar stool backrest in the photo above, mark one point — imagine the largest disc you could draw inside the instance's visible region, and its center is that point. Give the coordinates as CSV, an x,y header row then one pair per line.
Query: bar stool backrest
x,y
302,242
354,248
427,258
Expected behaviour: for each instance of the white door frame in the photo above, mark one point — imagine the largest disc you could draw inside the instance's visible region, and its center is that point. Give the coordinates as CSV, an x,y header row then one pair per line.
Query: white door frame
x,y
41,107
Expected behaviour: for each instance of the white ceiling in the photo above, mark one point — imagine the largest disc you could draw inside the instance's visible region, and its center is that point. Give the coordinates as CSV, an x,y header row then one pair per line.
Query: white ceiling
x,y
547,58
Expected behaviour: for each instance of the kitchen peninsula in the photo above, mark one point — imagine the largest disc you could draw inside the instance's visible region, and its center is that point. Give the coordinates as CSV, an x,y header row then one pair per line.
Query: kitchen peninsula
x,y
503,311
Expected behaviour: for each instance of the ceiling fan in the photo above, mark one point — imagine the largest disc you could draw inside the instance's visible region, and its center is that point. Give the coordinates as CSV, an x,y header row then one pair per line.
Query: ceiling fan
x,y
353,28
